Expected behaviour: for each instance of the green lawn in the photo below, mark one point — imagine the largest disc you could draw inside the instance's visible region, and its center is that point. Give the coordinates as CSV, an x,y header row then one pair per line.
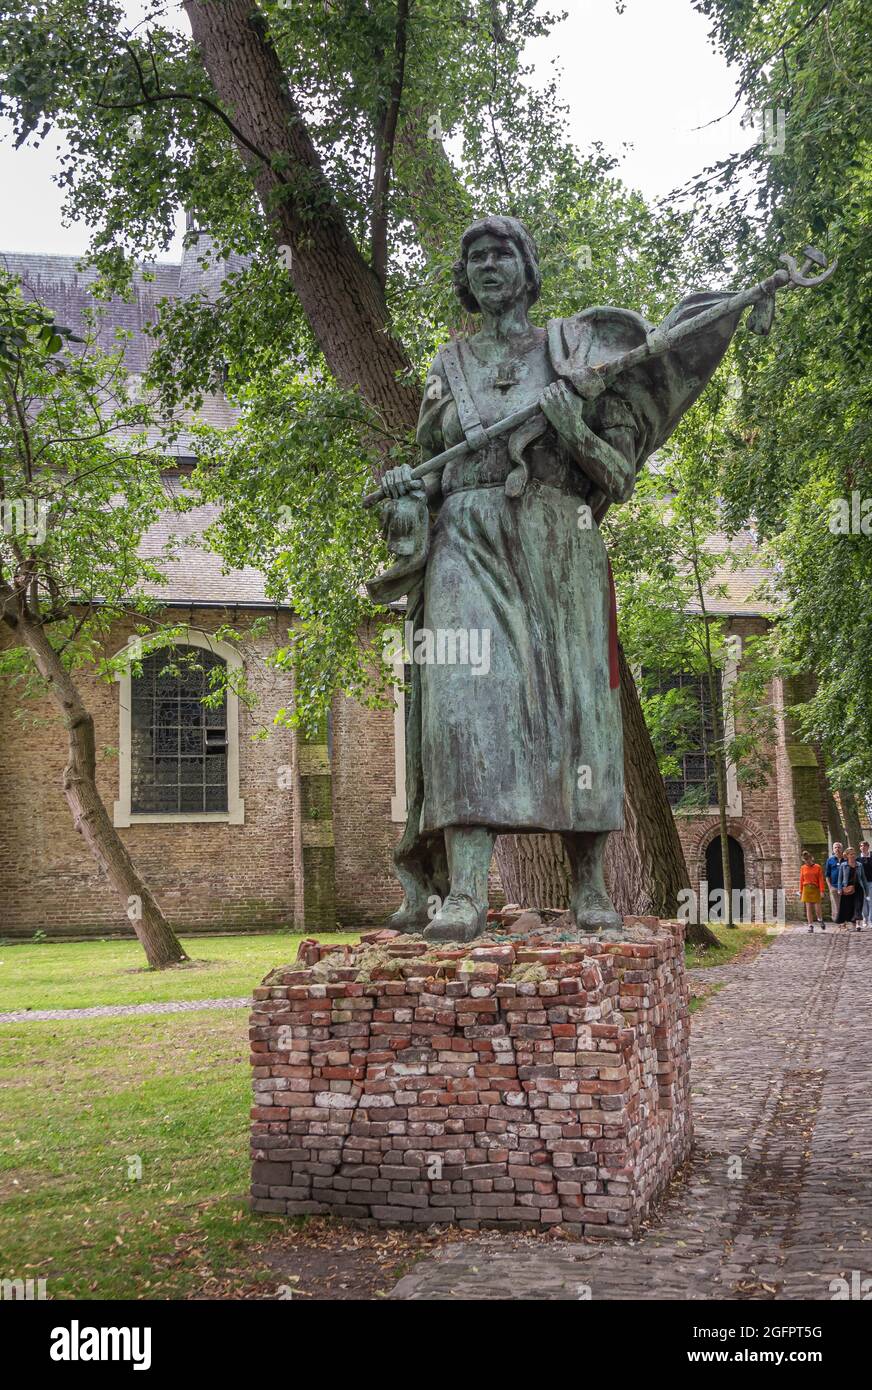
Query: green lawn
x,y
124,1166
85,1103
79,974
733,940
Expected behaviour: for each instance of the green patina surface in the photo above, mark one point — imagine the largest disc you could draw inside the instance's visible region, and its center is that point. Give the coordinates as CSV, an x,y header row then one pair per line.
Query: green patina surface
x,y
523,734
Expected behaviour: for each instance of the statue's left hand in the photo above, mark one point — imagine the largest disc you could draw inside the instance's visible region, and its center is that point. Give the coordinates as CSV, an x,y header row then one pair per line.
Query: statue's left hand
x,y
611,471
399,482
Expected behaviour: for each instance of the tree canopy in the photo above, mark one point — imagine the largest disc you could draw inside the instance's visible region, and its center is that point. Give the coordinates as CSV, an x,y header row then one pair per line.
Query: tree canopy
x,y
798,449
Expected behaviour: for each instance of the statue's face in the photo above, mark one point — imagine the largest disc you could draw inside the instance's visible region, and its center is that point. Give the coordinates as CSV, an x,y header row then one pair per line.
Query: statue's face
x,y
495,270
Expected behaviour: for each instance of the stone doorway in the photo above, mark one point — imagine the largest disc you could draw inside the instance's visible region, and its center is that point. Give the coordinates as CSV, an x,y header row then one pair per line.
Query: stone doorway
x,y
714,870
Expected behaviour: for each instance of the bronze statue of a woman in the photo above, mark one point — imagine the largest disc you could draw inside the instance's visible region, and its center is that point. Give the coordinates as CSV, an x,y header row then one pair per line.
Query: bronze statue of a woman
x,y
503,551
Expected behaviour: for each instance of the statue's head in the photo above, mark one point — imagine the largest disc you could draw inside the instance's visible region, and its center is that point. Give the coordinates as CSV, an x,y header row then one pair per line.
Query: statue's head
x,y
498,262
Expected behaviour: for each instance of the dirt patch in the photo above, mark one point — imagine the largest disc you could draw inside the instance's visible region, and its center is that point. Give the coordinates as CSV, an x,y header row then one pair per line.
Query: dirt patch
x,y
22,1182
701,993
750,951
180,965
322,1259
318,1259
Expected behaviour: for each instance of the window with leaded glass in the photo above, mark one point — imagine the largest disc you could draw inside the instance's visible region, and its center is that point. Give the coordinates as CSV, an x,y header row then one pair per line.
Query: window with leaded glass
x,y
691,748
178,744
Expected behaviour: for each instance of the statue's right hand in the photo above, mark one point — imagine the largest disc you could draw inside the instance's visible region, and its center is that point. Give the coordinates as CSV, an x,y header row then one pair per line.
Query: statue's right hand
x,y
397,482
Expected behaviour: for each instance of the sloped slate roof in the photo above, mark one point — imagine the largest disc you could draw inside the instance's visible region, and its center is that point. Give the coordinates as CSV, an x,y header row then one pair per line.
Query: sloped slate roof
x,y
743,574
60,284
196,574
64,285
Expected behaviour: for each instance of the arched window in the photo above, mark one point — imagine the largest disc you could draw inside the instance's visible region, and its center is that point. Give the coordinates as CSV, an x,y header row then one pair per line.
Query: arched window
x,y
179,757
178,745
692,790
694,783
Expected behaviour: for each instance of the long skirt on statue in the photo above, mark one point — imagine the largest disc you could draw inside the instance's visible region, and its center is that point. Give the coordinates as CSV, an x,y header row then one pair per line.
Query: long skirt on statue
x,y
530,737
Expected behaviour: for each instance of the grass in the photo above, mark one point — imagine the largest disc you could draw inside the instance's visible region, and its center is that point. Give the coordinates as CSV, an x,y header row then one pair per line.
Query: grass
x,y
81,974
82,1102
752,937
124,1168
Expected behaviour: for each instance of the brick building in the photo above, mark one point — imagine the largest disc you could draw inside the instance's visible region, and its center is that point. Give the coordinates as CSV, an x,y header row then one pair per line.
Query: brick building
x,y
236,833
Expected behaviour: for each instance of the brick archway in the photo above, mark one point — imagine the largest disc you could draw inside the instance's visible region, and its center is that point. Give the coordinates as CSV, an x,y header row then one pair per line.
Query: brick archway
x,y
749,835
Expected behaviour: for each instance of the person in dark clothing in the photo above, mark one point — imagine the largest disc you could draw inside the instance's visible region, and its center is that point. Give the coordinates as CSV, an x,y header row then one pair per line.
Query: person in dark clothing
x,y
852,889
865,859
831,874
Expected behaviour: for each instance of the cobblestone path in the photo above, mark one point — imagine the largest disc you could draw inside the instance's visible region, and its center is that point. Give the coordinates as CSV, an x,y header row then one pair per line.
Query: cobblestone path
x,y
777,1201
177,1006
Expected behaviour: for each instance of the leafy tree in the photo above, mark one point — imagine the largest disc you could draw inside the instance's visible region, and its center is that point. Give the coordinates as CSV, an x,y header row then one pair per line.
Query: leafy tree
x,y
79,486
798,462
316,130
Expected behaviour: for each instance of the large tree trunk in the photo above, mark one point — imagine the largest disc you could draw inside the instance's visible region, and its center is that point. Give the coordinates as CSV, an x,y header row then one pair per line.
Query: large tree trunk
x,y
340,294
835,828
644,863
344,303
91,819
534,870
851,813
645,867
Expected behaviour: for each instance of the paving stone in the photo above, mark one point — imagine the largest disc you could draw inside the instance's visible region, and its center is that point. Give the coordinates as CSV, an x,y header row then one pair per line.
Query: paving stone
x,y
777,1200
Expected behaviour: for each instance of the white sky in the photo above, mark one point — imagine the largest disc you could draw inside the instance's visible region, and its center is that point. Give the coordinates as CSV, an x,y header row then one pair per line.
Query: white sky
x,y
639,82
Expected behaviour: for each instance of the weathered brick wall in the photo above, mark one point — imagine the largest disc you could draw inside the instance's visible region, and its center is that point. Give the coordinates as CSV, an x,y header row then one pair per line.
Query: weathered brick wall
x,y
367,891
205,876
211,877
766,829
454,1089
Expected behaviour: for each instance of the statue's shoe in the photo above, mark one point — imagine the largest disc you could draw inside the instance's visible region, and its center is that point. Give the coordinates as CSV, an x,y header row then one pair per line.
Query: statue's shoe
x,y
458,919
598,917
409,919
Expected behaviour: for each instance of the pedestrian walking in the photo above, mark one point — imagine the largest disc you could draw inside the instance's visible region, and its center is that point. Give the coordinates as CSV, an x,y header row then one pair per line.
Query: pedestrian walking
x,y
811,889
865,858
831,874
852,889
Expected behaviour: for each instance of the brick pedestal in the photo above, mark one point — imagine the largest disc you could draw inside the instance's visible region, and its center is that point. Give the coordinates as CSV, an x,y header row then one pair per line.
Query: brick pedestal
x,y
511,1085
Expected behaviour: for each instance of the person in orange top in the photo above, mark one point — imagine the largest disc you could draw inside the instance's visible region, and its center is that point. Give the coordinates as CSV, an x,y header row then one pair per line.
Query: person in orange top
x,y
811,888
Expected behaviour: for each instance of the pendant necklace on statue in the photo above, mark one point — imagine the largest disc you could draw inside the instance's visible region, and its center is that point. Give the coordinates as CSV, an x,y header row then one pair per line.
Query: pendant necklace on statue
x,y
507,375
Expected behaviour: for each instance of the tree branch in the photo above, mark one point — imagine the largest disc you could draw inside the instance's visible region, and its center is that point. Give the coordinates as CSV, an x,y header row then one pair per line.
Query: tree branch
x,y
151,98
386,134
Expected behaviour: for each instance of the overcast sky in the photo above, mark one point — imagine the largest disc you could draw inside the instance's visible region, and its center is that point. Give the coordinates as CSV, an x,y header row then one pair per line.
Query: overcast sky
x,y
640,82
